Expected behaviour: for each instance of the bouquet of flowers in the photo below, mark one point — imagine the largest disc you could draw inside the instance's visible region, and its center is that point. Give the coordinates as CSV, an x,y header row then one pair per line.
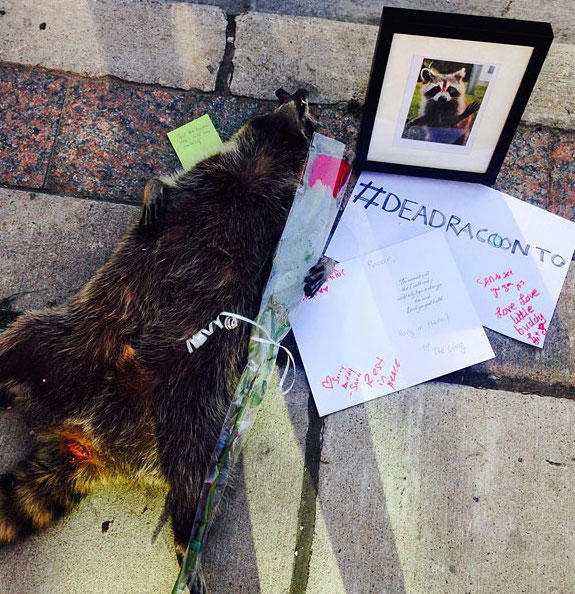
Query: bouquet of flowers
x,y
310,220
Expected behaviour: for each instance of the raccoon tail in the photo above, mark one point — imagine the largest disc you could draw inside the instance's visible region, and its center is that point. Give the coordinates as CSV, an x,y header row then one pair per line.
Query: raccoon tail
x,y
44,487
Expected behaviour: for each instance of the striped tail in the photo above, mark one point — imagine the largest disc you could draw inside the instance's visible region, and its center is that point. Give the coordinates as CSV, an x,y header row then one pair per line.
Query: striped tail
x,y
42,489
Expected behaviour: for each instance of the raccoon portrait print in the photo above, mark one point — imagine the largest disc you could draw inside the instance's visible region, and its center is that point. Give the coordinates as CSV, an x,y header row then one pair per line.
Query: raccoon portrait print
x,y
105,380
444,114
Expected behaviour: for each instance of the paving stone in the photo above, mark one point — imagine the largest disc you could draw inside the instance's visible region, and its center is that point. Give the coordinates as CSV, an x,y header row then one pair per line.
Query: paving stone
x,y
560,14
251,547
169,43
333,60
76,556
113,136
64,240
325,575
552,102
445,488
51,245
269,479
30,102
354,550
330,59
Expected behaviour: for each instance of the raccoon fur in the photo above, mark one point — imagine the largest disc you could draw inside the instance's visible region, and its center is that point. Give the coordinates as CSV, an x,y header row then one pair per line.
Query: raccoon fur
x,y
106,381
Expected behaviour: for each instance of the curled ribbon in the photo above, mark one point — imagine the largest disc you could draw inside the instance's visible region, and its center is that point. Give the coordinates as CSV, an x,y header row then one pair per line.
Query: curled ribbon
x,y
269,340
230,322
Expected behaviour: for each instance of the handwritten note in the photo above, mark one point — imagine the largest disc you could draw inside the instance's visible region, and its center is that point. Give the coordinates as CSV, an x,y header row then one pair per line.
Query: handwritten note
x,y
195,141
386,321
513,256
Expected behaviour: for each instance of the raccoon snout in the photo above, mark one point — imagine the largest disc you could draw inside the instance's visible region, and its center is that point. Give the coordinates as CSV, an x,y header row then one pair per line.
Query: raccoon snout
x,y
442,98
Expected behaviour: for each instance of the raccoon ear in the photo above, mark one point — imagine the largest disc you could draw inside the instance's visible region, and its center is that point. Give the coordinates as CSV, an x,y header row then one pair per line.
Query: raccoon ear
x,y
300,98
460,74
427,75
283,96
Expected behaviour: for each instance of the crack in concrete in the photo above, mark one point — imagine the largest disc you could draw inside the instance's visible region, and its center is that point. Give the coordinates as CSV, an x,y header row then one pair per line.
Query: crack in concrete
x,y
57,132
226,69
307,510
509,384
507,7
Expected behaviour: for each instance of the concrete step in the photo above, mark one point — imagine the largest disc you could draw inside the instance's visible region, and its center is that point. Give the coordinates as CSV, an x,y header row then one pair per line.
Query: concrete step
x,y
181,45
173,44
560,13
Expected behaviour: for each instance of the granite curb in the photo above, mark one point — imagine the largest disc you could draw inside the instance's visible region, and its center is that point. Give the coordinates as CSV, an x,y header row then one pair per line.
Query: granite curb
x,y
173,44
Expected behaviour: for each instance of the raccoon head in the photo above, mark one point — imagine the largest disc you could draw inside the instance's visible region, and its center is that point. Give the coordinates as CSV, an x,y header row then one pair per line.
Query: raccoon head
x,y
442,88
296,107
290,121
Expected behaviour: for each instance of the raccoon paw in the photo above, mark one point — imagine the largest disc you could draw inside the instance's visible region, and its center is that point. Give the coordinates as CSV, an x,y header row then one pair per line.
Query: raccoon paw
x,y
317,276
153,204
470,110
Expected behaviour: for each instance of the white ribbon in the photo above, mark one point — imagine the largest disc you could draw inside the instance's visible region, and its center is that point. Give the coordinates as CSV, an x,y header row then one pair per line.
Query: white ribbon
x,y
269,340
200,337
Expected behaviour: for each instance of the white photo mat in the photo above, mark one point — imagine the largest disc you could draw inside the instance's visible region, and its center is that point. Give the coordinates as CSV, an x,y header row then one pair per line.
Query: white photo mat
x,y
511,61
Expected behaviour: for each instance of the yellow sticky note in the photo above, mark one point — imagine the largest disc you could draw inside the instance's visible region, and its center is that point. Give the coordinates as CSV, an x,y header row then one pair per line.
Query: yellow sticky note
x,y
195,141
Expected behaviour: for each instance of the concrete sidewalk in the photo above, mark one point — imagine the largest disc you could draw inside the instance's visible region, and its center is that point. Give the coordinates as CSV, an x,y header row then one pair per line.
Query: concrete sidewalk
x,y
459,485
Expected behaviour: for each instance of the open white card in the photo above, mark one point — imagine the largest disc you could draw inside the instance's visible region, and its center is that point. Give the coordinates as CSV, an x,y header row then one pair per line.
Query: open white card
x,y
513,256
386,321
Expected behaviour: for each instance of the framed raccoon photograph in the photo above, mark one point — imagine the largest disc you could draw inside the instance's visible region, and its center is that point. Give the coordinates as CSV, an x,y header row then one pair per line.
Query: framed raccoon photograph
x,y
446,93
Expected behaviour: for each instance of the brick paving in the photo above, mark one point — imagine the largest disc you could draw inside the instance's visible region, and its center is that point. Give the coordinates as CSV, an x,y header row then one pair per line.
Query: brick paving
x,y
31,102
105,138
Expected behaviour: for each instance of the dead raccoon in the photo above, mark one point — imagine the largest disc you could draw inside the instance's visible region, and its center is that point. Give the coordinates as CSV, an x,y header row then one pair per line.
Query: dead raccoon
x,y
106,381
444,114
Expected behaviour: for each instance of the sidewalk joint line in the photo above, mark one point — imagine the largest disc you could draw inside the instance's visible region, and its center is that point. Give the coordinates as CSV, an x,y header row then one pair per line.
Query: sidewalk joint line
x,y
307,513
489,381
51,192
226,69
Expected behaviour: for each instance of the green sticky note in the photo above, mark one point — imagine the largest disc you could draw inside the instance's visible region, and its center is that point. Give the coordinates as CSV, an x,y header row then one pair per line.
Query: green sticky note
x,y
195,141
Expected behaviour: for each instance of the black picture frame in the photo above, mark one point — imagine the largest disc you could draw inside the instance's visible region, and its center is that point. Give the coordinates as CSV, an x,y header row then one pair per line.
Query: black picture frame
x,y
453,26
